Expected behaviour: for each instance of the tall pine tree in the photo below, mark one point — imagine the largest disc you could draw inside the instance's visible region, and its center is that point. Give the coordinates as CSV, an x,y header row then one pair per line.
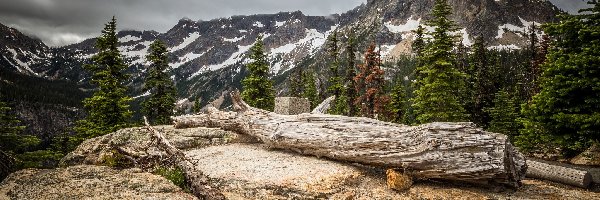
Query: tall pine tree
x,y
161,102
336,85
439,82
567,110
108,109
12,142
481,82
398,101
350,93
310,89
504,114
295,83
258,88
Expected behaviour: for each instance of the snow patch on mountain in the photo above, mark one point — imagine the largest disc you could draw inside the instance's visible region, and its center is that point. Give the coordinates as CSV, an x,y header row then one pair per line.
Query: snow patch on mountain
x,y
186,58
233,59
138,56
278,23
129,38
410,25
514,28
21,66
504,47
258,24
285,49
385,50
187,41
236,39
465,37
312,41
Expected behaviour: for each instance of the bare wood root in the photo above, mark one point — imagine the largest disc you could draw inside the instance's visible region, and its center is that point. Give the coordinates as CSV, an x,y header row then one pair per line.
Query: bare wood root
x,y
199,183
450,151
324,106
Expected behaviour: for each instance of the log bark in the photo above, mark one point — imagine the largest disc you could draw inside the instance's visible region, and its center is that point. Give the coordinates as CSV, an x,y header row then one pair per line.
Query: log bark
x,y
448,151
558,173
197,181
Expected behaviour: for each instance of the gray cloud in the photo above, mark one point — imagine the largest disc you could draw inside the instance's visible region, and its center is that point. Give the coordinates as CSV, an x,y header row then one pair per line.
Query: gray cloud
x,y
571,6
60,22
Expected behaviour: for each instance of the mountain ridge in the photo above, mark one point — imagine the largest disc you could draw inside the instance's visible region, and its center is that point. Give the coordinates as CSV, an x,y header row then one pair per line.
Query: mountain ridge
x,y
208,56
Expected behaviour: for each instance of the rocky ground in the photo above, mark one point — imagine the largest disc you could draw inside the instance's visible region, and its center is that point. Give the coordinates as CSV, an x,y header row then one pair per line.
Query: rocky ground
x,y
241,169
89,182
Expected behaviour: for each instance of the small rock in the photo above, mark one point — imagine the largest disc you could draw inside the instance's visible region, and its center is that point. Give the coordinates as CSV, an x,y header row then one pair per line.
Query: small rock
x,y
398,180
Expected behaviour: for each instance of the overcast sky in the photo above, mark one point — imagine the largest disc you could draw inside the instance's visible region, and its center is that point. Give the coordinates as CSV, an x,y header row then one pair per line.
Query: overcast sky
x,y
60,22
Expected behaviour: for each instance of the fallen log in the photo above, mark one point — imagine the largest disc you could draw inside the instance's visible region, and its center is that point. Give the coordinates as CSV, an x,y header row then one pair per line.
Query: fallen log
x,y
197,181
558,173
448,151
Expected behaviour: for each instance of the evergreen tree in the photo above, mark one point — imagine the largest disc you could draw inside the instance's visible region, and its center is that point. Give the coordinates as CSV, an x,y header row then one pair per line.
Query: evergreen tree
x,y
481,82
258,88
418,45
310,89
161,102
350,93
12,142
336,85
197,105
107,109
504,114
295,82
398,101
567,110
439,82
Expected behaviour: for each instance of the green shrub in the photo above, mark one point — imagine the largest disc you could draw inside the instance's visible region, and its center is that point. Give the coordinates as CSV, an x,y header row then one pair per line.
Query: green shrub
x,y
175,175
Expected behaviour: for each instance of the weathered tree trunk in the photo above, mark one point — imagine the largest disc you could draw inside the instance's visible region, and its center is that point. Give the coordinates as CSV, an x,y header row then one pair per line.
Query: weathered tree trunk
x,y
450,151
198,182
557,173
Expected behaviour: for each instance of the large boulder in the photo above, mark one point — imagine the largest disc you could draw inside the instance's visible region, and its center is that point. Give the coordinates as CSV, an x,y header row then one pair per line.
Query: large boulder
x,y
88,182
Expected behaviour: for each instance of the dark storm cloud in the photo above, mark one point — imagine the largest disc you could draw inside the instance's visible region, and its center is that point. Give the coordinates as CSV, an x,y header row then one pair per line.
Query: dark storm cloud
x,y
59,22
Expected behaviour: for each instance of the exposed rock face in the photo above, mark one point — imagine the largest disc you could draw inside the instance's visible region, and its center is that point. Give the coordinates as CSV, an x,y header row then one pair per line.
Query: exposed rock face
x,y
88,182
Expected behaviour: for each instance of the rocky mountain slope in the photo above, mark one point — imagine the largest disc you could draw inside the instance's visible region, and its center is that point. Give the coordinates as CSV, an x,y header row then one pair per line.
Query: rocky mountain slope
x,y
208,56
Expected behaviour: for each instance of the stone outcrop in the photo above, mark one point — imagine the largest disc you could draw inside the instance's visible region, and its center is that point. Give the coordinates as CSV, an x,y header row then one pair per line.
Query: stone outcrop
x,y
89,182
136,142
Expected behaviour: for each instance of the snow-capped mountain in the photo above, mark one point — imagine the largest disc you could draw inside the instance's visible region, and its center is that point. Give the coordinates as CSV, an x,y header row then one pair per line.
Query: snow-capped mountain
x,y
208,57
20,53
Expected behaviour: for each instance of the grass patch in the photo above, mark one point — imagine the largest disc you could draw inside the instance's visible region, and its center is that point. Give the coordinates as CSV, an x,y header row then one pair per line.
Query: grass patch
x,y
116,160
175,175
